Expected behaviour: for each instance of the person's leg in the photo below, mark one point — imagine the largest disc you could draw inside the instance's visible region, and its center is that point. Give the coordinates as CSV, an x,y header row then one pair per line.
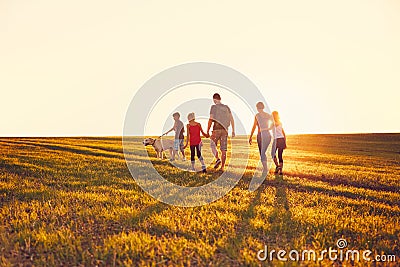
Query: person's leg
x,y
224,148
265,141
192,151
259,142
223,159
198,152
172,154
273,153
216,136
261,151
176,149
276,162
213,144
274,149
181,145
203,166
280,156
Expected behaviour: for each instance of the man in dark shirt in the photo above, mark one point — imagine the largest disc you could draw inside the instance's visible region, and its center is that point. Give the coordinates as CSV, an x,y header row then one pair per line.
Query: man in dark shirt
x,y
221,118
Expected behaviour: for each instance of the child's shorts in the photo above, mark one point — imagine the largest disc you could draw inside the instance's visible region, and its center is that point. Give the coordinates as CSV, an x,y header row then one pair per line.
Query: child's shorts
x,y
178,144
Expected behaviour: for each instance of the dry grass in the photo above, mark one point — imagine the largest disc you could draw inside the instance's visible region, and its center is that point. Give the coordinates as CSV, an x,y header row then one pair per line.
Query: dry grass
x,y
72,201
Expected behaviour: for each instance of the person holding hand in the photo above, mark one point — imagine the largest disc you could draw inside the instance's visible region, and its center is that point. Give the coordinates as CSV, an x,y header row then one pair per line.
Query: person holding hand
x,y
263,121
221,118
193,137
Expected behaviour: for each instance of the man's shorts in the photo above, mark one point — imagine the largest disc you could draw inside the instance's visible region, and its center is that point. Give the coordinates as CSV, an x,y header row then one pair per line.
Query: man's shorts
x,y
178,144
222,136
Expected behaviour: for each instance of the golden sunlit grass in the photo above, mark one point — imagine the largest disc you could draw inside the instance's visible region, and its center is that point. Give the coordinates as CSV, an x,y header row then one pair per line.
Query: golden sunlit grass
x,y
72,201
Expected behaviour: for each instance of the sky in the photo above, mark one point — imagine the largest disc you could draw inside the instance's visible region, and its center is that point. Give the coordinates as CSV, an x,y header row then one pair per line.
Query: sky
x,y
71,68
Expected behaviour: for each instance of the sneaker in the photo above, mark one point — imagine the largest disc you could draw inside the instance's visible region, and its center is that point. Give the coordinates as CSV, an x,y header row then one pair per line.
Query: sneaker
x,y
204,170
217,163
276,170
280,171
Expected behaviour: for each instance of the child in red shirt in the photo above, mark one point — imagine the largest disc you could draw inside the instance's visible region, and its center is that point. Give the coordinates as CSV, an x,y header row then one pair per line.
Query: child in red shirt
x,y
193,136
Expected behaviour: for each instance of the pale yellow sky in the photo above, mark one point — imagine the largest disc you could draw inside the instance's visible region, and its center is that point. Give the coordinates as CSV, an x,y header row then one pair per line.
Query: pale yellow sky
x,y
72,67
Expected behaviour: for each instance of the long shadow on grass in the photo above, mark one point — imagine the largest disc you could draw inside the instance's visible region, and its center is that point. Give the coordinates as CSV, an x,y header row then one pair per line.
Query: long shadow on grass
x,y
67,148
281,217
342,180
356,196
330,192
345,181
148,211
184,178
141,222
283,230
282,227
26,195
21,170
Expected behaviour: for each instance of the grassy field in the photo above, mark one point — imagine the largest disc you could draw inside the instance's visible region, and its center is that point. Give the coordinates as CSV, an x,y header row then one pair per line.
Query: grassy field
x,y
72,201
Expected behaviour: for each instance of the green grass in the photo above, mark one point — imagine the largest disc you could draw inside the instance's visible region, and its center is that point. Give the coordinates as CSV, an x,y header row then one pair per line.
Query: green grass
x,y
72,201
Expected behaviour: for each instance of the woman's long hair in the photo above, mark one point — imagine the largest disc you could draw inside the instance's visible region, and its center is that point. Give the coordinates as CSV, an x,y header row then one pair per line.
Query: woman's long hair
x,y
276,117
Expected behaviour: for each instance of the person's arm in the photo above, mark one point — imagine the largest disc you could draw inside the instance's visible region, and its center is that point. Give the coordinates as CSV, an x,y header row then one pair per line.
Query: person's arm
x,y
187,137
233,124
170,130
203,133
284,136
210,121
252,131
271,124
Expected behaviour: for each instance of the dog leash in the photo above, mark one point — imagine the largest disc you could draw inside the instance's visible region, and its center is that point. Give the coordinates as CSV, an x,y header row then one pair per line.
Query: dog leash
x,y
160,136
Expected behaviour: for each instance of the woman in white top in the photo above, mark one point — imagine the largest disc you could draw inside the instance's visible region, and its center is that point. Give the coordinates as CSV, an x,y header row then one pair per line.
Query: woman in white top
x,y
264,123
279,143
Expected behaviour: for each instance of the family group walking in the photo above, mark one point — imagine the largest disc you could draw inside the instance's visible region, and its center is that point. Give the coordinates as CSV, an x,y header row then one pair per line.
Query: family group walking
x,y
220,120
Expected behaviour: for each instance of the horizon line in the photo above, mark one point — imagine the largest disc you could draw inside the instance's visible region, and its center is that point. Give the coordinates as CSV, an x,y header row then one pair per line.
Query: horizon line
x,y
237,135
